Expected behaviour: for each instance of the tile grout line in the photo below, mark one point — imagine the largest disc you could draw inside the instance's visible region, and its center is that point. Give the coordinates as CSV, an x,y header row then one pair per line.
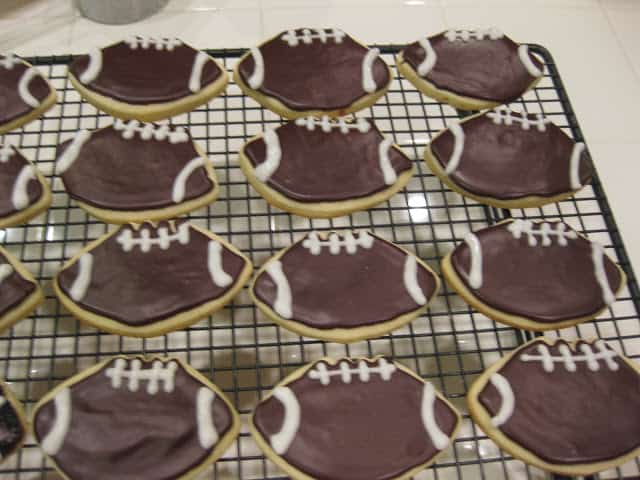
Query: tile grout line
x,y
627,57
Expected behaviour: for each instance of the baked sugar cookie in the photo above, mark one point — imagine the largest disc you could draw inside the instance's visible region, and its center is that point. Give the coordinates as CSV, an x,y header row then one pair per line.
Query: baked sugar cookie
x,y
24,192
135,417
13,424
354,419
24,93
150,279
322,168
19,292
470,69
534,275
133,172
343,286
147,78
509,159
568,408
318,72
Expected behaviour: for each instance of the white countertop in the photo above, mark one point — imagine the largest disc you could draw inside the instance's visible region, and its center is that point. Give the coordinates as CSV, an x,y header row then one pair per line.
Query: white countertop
x,y
596,44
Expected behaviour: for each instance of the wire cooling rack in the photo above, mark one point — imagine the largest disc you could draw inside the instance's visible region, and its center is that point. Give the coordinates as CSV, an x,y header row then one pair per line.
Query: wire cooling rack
x,y
243,352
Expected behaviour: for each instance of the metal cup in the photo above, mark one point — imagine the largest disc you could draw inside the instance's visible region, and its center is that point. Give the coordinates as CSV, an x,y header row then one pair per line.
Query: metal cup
x,y
118,12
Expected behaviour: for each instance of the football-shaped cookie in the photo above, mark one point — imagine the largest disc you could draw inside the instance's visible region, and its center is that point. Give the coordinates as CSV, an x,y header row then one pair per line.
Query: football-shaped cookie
x,y
319,168
146,280
509,159
344,286
354,419
569,408
470,69
24,93
135,418
147,78
534,275
313,72
132,172
13,425
24,192
19,292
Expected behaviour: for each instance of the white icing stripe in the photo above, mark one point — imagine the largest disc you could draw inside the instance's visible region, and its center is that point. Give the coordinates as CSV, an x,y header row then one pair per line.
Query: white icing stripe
x,y
307,36
180,183
72,151
94,67
569,360
523,53
10,60
281,441
364,371
475,272
545,232
148,131
257,77
430,57
283,304
207,433
218,275
145,42
458,148
5,271
368,82
160,374
597,255
438,437
504,115
388,171
195,81
479,34
83,279
266,169
52,441
410,278
20,193
507,398
574,169
145,241
334,242
6,152
23,87
327,124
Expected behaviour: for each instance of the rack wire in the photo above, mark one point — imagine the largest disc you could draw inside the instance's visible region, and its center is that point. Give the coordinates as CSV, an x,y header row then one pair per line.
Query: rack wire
x,y
243,352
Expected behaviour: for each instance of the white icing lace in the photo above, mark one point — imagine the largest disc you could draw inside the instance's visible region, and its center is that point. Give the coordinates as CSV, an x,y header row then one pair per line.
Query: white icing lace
x,y
159,375
145,241
308,36
146,42
504,115
364,371
9,61
350,243
545,232
569,359
6,152
326,124
466,35
148,131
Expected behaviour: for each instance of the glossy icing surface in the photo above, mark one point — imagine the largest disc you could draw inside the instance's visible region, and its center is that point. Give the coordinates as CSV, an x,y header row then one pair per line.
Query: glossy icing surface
x,y
9,171
12,105
11,429
14,289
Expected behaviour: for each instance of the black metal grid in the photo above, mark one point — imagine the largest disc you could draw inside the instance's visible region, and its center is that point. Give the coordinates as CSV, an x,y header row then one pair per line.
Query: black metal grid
x,y
243,352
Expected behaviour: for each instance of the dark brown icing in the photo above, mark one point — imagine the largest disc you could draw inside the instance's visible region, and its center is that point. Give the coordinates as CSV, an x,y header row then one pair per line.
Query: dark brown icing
x,y
483,69
9,171
116,433
12,430
543,283
12,106
318,166
14,289
139,288
356,430
508,162
145,75
117,173
307,76
565,417
346,290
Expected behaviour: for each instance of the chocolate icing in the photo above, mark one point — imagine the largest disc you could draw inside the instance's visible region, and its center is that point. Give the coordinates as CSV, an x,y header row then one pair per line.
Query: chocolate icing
x,y
318,166
12,430
346,290
14,289
356,431
546,284
483,69
139,288
508,162
314,76
569,418
11,104
115,173
119,434
9,172
144,76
